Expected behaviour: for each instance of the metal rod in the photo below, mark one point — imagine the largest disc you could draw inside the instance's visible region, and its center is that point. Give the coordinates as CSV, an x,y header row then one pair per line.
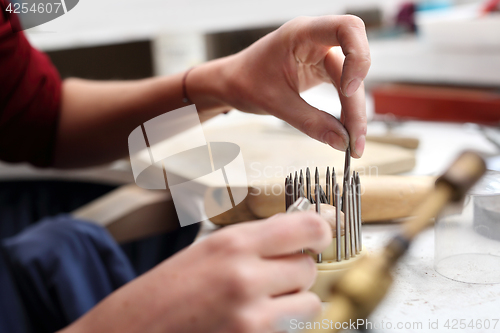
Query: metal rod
x,y
336,197
355,209
295,187
308,184
287,204
358,199
301,184
352,218
318,210
316,177
347,170
316,182
318,202
347,164
327,186
334,182
345,208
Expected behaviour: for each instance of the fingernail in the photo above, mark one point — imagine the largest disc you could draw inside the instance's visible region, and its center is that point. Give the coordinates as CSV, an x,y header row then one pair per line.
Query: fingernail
x,y
352,87
336,141
359,147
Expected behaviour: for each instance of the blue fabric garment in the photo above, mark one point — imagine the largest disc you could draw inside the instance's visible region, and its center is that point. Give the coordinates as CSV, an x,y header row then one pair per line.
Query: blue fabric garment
x,y
51,272
61,268
24,203
13,316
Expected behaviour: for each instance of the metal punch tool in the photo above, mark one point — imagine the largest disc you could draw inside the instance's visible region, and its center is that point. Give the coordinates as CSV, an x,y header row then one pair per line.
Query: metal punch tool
x,y
298,191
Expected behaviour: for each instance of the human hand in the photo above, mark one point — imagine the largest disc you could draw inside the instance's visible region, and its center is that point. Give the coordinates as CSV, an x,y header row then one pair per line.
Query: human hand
x,y
267,77
244,278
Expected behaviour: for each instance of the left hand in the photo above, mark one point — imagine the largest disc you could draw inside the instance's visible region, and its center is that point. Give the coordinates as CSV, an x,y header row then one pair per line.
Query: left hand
x,y
244,278
267,77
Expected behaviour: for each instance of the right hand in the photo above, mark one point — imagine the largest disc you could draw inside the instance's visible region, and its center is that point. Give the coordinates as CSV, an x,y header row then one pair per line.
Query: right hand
x,y
268,77
244,278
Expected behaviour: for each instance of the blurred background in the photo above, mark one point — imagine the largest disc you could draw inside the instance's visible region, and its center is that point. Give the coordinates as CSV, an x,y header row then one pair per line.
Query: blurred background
x,y
429,41
435,63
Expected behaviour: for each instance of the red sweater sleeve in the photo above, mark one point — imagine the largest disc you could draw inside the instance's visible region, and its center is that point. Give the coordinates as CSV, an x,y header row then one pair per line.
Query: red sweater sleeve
x,y
30,94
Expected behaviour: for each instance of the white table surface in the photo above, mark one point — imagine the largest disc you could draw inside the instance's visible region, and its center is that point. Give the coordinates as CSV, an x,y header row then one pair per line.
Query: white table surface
x,y
419,294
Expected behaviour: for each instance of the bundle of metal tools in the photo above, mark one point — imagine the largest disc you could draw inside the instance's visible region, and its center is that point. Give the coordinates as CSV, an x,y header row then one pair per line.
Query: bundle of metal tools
x,y
349,203
358,291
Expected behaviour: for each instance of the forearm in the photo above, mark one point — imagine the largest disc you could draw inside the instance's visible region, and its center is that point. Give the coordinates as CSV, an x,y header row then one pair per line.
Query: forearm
x,y
97,117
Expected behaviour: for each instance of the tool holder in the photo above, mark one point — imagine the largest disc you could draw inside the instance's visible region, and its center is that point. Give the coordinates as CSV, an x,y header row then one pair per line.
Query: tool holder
x,y
346,247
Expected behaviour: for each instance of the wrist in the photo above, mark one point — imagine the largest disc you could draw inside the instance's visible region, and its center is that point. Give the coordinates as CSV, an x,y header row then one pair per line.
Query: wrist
x,y
205,85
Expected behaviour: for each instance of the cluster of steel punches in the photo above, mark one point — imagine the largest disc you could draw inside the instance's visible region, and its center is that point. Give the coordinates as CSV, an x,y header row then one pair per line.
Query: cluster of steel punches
x,y
349,203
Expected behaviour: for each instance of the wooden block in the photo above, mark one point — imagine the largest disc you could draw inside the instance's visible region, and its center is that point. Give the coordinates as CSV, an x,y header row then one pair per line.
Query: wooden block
x,y
131,213
383,198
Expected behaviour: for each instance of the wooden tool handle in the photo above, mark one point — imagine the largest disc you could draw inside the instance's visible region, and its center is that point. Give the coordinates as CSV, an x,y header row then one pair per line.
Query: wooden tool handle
x,y
402,141
382,197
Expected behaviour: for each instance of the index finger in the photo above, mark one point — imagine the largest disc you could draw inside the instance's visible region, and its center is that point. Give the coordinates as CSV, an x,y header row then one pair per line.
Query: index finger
x,y
348,32
353,114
